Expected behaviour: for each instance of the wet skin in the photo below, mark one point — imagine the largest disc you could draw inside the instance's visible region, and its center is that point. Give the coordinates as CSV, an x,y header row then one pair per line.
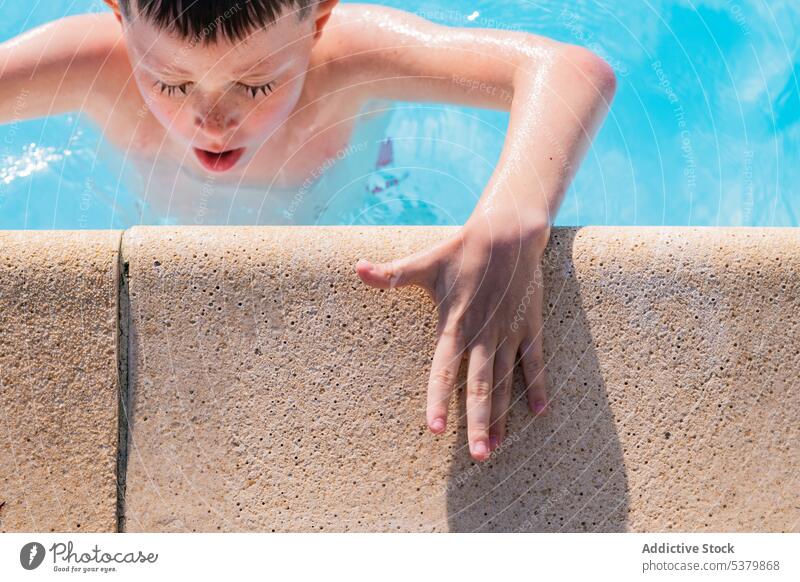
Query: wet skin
x,y
274,107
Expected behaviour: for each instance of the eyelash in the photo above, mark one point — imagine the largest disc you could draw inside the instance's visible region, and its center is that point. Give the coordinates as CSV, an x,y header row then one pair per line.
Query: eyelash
x,y
265,89
171,89
183,88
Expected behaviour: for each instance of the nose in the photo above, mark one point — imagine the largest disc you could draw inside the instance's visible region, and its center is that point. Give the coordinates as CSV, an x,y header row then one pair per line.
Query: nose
x,y
215,122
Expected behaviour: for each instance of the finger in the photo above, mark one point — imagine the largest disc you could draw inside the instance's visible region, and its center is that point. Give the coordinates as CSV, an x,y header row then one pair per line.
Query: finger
x,y
417,269
535,379
479,399
444,374
504,361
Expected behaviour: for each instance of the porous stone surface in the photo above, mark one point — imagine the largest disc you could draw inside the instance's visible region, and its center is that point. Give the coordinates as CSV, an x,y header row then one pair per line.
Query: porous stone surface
x,y
272,390
58,380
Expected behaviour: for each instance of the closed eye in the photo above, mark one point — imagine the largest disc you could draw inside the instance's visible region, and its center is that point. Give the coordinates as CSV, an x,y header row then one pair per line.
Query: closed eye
x,y
254,90
171,90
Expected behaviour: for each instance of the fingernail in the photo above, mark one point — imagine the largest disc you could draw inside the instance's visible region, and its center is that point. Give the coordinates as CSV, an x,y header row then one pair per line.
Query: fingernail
x,y
480,449
539,406
437,425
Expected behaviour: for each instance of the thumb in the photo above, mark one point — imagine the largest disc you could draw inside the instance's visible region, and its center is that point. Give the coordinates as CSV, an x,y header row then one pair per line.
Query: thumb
x,y
418,269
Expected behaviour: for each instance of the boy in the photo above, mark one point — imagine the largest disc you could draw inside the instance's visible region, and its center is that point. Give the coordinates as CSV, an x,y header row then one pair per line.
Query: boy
x,y
262,92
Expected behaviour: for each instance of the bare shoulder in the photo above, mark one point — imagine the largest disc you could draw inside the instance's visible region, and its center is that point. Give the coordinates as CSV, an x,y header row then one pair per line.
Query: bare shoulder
x,y
77,40
355,28
371,15
112,98
96,44
358,40
65,63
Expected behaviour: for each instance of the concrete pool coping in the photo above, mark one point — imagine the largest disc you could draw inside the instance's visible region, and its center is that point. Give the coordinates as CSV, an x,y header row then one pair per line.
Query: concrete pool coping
x,y
243,379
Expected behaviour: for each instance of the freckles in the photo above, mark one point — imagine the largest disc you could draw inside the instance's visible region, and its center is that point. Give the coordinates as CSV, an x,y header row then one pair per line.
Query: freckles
x,y
283,105
281,115
264,114
163,112
170,109
170,115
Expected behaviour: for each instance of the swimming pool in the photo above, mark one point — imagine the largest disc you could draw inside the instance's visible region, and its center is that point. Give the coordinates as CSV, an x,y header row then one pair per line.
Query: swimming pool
x,y
704,129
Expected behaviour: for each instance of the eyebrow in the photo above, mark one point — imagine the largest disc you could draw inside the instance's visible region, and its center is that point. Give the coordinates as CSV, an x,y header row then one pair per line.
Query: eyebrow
x,y
170,70
251,68
157,66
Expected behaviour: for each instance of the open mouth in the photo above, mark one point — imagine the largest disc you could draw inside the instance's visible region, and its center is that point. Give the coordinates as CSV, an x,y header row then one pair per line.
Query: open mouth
x,y
218,161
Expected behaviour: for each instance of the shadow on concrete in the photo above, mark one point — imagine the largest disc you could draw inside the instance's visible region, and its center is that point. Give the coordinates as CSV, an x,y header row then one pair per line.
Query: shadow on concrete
x,y
561,473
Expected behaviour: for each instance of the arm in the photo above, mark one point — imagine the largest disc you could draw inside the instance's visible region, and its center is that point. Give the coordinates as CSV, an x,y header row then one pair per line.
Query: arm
x,y
557,94
487,281
56,68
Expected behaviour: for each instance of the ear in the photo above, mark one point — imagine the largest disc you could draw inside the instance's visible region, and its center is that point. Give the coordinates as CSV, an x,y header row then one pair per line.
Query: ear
x,y
322,13
114,5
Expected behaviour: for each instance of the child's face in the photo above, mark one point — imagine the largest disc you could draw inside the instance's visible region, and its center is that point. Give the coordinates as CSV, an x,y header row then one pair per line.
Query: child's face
x,y
226,98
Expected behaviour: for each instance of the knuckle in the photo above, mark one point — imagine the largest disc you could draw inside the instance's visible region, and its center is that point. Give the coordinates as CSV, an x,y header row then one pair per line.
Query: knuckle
x,y
479,389
453,327
534,373
531,365
451,333
534,356
477,431
393,272
458,313
443,378
503,387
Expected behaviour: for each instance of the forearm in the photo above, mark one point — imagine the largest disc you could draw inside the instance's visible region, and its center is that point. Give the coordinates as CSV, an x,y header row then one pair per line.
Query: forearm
x,y
557,105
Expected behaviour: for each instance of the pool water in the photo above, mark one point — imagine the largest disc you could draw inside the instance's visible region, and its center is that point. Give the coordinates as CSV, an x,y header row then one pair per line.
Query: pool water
x,y
704,130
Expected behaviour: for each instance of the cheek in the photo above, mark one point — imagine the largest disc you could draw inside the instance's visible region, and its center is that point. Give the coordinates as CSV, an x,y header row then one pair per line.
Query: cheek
x,y
274,111
165,109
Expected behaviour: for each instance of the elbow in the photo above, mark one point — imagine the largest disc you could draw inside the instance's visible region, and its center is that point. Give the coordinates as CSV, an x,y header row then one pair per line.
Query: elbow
x,y
592,69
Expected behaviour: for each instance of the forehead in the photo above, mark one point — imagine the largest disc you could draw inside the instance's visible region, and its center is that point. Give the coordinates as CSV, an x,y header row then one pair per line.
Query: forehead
x,y
161,49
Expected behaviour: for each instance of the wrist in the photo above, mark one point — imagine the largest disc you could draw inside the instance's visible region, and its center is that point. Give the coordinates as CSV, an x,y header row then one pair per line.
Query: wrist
x,y
537,233
532,228
536,226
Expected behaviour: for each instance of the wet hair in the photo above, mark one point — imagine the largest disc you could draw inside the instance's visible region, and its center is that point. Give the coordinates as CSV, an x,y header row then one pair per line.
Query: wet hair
x,y
208,21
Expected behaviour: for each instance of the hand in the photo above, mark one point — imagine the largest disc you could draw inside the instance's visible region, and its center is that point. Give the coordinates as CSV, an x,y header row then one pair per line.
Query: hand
x,y
487,285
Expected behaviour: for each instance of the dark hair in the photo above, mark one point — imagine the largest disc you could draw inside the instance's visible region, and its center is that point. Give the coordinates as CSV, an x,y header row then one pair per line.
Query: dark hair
x,y
209,20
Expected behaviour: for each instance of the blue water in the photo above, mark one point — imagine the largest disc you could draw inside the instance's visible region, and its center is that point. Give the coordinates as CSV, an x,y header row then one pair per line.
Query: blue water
x,y
704,130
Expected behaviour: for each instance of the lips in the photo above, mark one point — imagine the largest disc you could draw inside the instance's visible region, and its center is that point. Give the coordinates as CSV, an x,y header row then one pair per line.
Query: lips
x,y
218,161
